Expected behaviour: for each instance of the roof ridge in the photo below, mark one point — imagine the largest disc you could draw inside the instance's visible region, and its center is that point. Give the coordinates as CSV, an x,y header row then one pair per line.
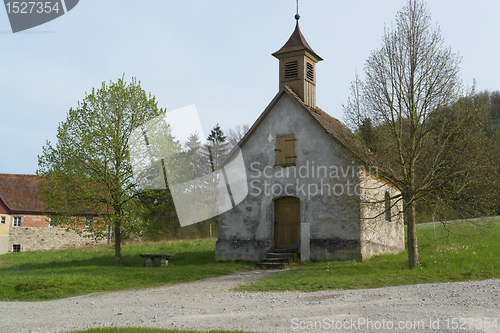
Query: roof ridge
x,y
341,133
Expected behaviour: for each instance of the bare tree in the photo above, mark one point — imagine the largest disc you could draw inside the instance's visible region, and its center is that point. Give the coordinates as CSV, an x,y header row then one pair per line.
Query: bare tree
x,y
234,135
408,80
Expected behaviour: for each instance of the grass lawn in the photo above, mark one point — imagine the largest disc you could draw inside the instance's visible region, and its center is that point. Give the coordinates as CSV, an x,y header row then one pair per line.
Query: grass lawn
x,y
47,275
467,253
145,330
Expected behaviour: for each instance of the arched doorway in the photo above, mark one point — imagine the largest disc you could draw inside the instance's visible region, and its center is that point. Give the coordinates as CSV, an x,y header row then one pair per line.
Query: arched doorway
x,y
286,223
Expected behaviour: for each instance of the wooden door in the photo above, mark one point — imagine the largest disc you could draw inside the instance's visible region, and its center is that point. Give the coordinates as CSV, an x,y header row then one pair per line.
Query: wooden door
x,y
286,223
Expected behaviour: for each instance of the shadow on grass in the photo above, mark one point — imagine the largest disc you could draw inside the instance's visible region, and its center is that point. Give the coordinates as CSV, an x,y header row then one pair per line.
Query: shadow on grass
x,y
46,275
128,260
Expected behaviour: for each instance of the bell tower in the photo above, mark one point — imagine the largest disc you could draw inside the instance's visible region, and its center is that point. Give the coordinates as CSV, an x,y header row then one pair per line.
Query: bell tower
x,y
298,66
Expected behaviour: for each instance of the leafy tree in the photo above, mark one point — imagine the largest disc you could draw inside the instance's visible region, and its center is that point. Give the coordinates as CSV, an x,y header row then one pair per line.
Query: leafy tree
x,y
160,217
409,81
193,143
368,134
217,147
216,135
88,172
493,101
495,107
469,183
193,148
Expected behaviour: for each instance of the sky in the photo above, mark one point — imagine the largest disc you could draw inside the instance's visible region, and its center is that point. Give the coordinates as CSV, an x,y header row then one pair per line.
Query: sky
x,y
214,54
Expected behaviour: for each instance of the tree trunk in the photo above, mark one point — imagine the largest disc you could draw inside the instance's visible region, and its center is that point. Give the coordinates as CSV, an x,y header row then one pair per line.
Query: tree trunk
x,y
118,240
410,221
211,158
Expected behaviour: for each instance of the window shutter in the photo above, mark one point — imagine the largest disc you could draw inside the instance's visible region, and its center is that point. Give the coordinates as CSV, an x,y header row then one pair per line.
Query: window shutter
x,y
388,207
280,150
285,150
290,150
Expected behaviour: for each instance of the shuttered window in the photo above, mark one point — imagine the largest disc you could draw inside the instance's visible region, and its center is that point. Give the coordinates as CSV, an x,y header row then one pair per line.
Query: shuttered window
x,y
285,150
388,207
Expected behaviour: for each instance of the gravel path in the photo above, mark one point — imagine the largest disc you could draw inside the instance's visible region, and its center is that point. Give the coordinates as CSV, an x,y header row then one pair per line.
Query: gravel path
x,y
208,304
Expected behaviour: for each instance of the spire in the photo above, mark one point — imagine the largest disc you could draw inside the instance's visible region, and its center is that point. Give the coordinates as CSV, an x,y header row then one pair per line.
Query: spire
x,y
298,65
296,43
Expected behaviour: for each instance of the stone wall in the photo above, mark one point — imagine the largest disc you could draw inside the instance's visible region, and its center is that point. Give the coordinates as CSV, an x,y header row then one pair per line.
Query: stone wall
x,y
46,238
381,231
324,179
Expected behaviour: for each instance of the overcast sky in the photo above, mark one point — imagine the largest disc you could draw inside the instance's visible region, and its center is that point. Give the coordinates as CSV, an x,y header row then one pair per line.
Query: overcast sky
x,y
214,54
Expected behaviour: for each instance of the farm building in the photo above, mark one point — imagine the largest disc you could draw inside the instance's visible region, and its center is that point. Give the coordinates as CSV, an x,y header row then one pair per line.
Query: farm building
x,y
24,225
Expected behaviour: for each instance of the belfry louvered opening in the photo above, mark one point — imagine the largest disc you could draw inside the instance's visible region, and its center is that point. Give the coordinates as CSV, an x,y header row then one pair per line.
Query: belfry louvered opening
x,y
291,69
310,71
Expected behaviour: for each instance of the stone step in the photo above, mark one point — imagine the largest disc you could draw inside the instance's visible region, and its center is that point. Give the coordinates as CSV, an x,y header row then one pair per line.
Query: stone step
x,y
282,260
280,255
278,258
271,265
284,250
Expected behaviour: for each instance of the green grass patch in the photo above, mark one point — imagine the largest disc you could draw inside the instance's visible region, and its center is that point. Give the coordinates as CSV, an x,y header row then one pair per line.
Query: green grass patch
x,y
455,252
146,330
459,251
48,275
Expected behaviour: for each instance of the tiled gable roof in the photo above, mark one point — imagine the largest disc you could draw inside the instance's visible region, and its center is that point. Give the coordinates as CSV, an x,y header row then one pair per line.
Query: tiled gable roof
x,y
343,135
20,192
332,126
336,129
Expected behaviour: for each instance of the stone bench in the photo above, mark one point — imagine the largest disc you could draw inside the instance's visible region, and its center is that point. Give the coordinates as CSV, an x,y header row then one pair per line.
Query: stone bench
x,y
151,257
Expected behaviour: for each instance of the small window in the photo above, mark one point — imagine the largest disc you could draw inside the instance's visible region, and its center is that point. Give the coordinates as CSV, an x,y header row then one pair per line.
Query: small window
x,y
291,69
2,220
16,248
89,221
17,221
387,207
53,221
285,150
310,71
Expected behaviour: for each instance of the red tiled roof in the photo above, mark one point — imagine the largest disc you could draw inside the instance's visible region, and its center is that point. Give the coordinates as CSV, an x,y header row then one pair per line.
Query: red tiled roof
x,y
343,135
332,126
20,192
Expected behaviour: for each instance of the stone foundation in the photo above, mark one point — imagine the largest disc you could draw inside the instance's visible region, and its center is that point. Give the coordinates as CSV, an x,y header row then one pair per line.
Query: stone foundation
x,y
372,249
52,238
335,249
241,250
